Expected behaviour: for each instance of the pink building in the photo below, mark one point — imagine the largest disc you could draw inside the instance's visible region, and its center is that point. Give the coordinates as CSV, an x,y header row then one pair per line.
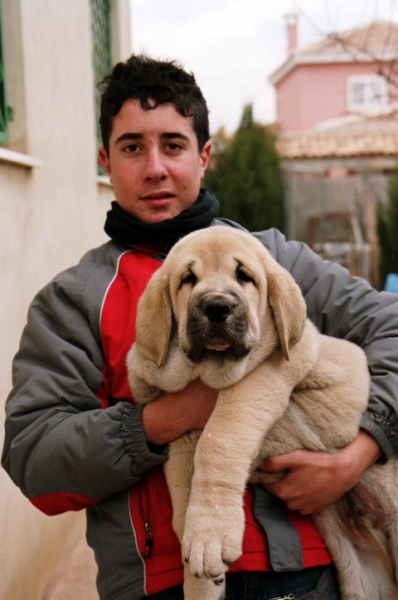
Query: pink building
x,y
352,73
337,116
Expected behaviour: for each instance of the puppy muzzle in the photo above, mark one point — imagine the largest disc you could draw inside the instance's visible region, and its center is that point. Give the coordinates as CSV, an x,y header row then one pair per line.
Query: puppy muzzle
x,y
217,323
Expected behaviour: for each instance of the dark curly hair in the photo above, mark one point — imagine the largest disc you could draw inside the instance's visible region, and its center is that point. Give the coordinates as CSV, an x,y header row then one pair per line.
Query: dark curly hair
x,y
152,82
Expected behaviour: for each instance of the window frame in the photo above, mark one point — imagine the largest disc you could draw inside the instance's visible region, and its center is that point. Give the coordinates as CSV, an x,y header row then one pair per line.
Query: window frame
x,y
101,28
373,89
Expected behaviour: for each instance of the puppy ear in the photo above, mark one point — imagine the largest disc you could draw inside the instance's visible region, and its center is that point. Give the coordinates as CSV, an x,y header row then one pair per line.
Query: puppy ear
x,y
288,306
154,319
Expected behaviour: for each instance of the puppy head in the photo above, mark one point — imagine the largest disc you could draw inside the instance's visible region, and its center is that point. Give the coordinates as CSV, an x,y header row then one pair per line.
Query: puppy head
x,y
219,292
215,299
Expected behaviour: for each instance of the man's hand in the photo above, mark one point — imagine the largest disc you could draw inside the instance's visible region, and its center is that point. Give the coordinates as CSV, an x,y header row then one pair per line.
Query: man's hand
x,y
314,480
173,414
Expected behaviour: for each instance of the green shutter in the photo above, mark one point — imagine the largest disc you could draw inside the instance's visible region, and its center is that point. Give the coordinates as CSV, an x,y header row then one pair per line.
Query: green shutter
x,y
3,104
102,61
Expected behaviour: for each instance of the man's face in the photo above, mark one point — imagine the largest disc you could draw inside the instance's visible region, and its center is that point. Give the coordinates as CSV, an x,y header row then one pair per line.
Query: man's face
x,y
154,161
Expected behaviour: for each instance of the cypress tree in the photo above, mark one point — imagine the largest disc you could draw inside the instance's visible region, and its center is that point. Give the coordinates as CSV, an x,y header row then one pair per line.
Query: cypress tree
x,y
387,223
247,177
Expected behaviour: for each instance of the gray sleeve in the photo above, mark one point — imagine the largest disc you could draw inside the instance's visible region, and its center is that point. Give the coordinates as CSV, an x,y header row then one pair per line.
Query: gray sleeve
x,y
348,307
58,439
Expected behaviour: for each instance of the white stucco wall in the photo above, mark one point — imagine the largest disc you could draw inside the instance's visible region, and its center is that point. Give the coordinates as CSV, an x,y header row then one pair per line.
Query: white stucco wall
x,y
51,214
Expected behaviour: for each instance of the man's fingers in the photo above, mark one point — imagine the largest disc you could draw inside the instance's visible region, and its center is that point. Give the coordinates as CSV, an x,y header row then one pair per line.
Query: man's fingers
x,y
274,464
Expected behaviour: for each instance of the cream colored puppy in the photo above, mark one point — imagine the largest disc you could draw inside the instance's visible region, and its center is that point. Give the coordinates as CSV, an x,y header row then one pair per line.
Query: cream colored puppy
x,y
221,309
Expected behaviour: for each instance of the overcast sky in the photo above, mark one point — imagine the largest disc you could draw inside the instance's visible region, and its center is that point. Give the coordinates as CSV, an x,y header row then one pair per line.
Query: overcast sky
x,y
232,46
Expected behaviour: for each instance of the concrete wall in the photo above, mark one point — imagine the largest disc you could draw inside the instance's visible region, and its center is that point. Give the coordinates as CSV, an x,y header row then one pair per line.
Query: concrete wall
x,y
52,211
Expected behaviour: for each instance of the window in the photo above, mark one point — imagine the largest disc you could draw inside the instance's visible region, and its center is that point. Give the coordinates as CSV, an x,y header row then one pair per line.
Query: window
x,y
367,93
3,104
102,60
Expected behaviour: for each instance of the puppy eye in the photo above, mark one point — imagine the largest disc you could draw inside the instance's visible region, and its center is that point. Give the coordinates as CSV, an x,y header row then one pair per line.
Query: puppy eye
x,y
189,279
243,277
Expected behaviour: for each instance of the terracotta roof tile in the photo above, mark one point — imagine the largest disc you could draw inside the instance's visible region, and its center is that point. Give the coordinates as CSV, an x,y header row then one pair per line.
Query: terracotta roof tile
x,y
364,137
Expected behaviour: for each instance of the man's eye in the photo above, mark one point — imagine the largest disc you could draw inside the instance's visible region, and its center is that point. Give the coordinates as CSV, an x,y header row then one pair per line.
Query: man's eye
x,y
131,148
243,276
173,147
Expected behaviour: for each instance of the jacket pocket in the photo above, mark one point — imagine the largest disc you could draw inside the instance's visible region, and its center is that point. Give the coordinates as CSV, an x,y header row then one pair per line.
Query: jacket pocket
x,y
151,515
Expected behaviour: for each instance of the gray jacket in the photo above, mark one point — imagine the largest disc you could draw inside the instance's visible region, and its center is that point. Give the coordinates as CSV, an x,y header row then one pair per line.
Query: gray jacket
x,y
63,449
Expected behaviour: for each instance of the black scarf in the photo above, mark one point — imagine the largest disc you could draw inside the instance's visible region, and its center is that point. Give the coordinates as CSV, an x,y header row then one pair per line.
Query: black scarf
x,y
128,231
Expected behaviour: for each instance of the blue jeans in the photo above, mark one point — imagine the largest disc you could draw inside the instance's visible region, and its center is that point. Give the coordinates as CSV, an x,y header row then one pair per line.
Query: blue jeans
x,y
318,583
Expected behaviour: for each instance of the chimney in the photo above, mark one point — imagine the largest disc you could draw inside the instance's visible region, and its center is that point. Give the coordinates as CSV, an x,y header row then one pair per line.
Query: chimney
x,y
291,20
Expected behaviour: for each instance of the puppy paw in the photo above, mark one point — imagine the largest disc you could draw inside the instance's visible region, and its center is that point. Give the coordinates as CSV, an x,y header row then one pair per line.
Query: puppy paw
x,y
212,540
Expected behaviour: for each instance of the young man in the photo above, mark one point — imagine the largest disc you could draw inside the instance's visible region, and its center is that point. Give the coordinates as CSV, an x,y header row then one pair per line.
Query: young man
x,y
74,436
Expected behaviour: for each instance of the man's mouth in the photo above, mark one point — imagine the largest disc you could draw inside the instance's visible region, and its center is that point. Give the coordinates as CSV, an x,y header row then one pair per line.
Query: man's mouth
x,y
156,196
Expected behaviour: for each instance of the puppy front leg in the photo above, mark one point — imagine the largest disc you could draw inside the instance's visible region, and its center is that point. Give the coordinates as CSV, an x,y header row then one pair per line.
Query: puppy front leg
x,y
229,444
179,472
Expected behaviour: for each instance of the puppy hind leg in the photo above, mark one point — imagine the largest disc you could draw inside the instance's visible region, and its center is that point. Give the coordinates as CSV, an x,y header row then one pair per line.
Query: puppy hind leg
x,y
361,567
392,524
377,581
378,544
344,556
393,546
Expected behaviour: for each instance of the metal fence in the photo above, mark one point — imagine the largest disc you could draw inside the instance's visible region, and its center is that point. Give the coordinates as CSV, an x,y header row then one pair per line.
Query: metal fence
x,y
3,103
337,217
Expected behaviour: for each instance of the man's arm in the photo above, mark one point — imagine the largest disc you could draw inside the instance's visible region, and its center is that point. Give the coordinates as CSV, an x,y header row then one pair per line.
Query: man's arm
x,y
349,308
62,448
172,415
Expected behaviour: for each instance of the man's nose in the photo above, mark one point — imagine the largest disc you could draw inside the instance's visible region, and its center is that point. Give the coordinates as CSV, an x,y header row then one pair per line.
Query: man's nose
x,y
155,167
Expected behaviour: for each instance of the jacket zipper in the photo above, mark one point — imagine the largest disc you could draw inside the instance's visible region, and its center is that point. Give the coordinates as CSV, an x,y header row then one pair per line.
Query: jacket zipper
x,y
148,540
148,532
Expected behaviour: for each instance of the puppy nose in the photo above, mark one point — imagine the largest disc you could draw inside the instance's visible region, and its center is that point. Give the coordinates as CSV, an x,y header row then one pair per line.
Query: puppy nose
x,y
217,311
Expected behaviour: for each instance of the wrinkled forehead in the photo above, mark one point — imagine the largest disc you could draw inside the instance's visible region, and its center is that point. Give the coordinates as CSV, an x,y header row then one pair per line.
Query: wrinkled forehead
x,y
215,256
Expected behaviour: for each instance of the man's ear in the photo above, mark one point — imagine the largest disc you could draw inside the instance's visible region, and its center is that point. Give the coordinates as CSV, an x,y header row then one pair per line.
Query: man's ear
x,y
104,160
205,157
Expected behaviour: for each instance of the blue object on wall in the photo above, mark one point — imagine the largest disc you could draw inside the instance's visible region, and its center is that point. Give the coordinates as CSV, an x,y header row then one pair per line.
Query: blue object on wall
x,y
391,283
